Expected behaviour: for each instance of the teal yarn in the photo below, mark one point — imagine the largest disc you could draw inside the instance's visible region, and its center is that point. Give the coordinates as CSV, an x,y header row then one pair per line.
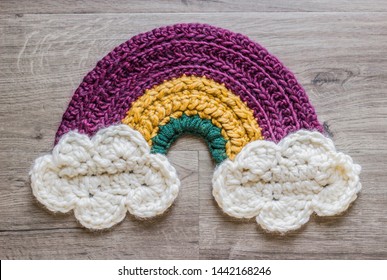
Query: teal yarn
x,y
176,127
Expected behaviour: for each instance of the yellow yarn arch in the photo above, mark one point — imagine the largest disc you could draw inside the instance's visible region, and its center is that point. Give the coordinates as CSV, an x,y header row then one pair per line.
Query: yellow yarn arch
x,y
192,95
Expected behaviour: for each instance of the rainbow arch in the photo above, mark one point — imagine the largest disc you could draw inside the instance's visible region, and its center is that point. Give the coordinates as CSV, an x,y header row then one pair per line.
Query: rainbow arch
x,y
273,162
225,81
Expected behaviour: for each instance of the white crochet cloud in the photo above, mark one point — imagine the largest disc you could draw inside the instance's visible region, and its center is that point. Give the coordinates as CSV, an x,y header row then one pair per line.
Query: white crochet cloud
x,y
283,184
103,177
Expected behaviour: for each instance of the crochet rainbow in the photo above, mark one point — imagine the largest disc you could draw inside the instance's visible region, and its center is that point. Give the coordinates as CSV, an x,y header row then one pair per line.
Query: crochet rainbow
x,y
274,161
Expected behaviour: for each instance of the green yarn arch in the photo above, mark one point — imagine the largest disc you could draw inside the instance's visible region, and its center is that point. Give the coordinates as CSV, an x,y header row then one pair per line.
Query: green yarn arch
x,y
169,132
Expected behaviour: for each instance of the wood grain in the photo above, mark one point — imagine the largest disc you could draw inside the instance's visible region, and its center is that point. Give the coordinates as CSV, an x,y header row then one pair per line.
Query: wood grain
x,y
188,6
339,57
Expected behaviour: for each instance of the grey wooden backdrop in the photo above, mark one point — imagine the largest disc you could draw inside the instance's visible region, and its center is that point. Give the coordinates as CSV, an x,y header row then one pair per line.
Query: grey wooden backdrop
x,y
338,51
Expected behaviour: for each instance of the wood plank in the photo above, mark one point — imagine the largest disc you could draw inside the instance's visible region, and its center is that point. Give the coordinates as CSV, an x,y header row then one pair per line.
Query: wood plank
x,y
20,7
341,60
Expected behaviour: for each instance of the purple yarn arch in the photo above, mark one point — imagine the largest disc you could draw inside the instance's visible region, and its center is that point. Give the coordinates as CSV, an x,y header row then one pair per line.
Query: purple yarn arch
x,y
278,101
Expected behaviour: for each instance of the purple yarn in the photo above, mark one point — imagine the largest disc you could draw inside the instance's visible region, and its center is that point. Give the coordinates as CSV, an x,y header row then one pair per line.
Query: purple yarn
x,y
278,101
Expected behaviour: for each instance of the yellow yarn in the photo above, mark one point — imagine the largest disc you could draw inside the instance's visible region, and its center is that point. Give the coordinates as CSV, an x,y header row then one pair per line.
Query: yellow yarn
x,y
193,95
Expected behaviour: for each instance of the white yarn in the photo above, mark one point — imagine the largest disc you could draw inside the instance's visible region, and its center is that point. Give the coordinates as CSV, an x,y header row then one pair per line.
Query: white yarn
x,y
280,184
103,177
283,184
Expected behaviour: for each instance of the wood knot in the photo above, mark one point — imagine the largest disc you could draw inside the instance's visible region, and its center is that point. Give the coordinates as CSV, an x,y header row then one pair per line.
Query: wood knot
x,y
328,129
332,77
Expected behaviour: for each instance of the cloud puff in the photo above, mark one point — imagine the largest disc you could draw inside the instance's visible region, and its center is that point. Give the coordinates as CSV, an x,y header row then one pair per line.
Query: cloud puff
x,y
103,177
283,184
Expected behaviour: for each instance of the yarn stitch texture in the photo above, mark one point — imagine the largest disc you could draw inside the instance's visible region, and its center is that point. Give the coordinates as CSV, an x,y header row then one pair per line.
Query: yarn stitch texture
x,y
103,177
195,96
195,125
274,162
